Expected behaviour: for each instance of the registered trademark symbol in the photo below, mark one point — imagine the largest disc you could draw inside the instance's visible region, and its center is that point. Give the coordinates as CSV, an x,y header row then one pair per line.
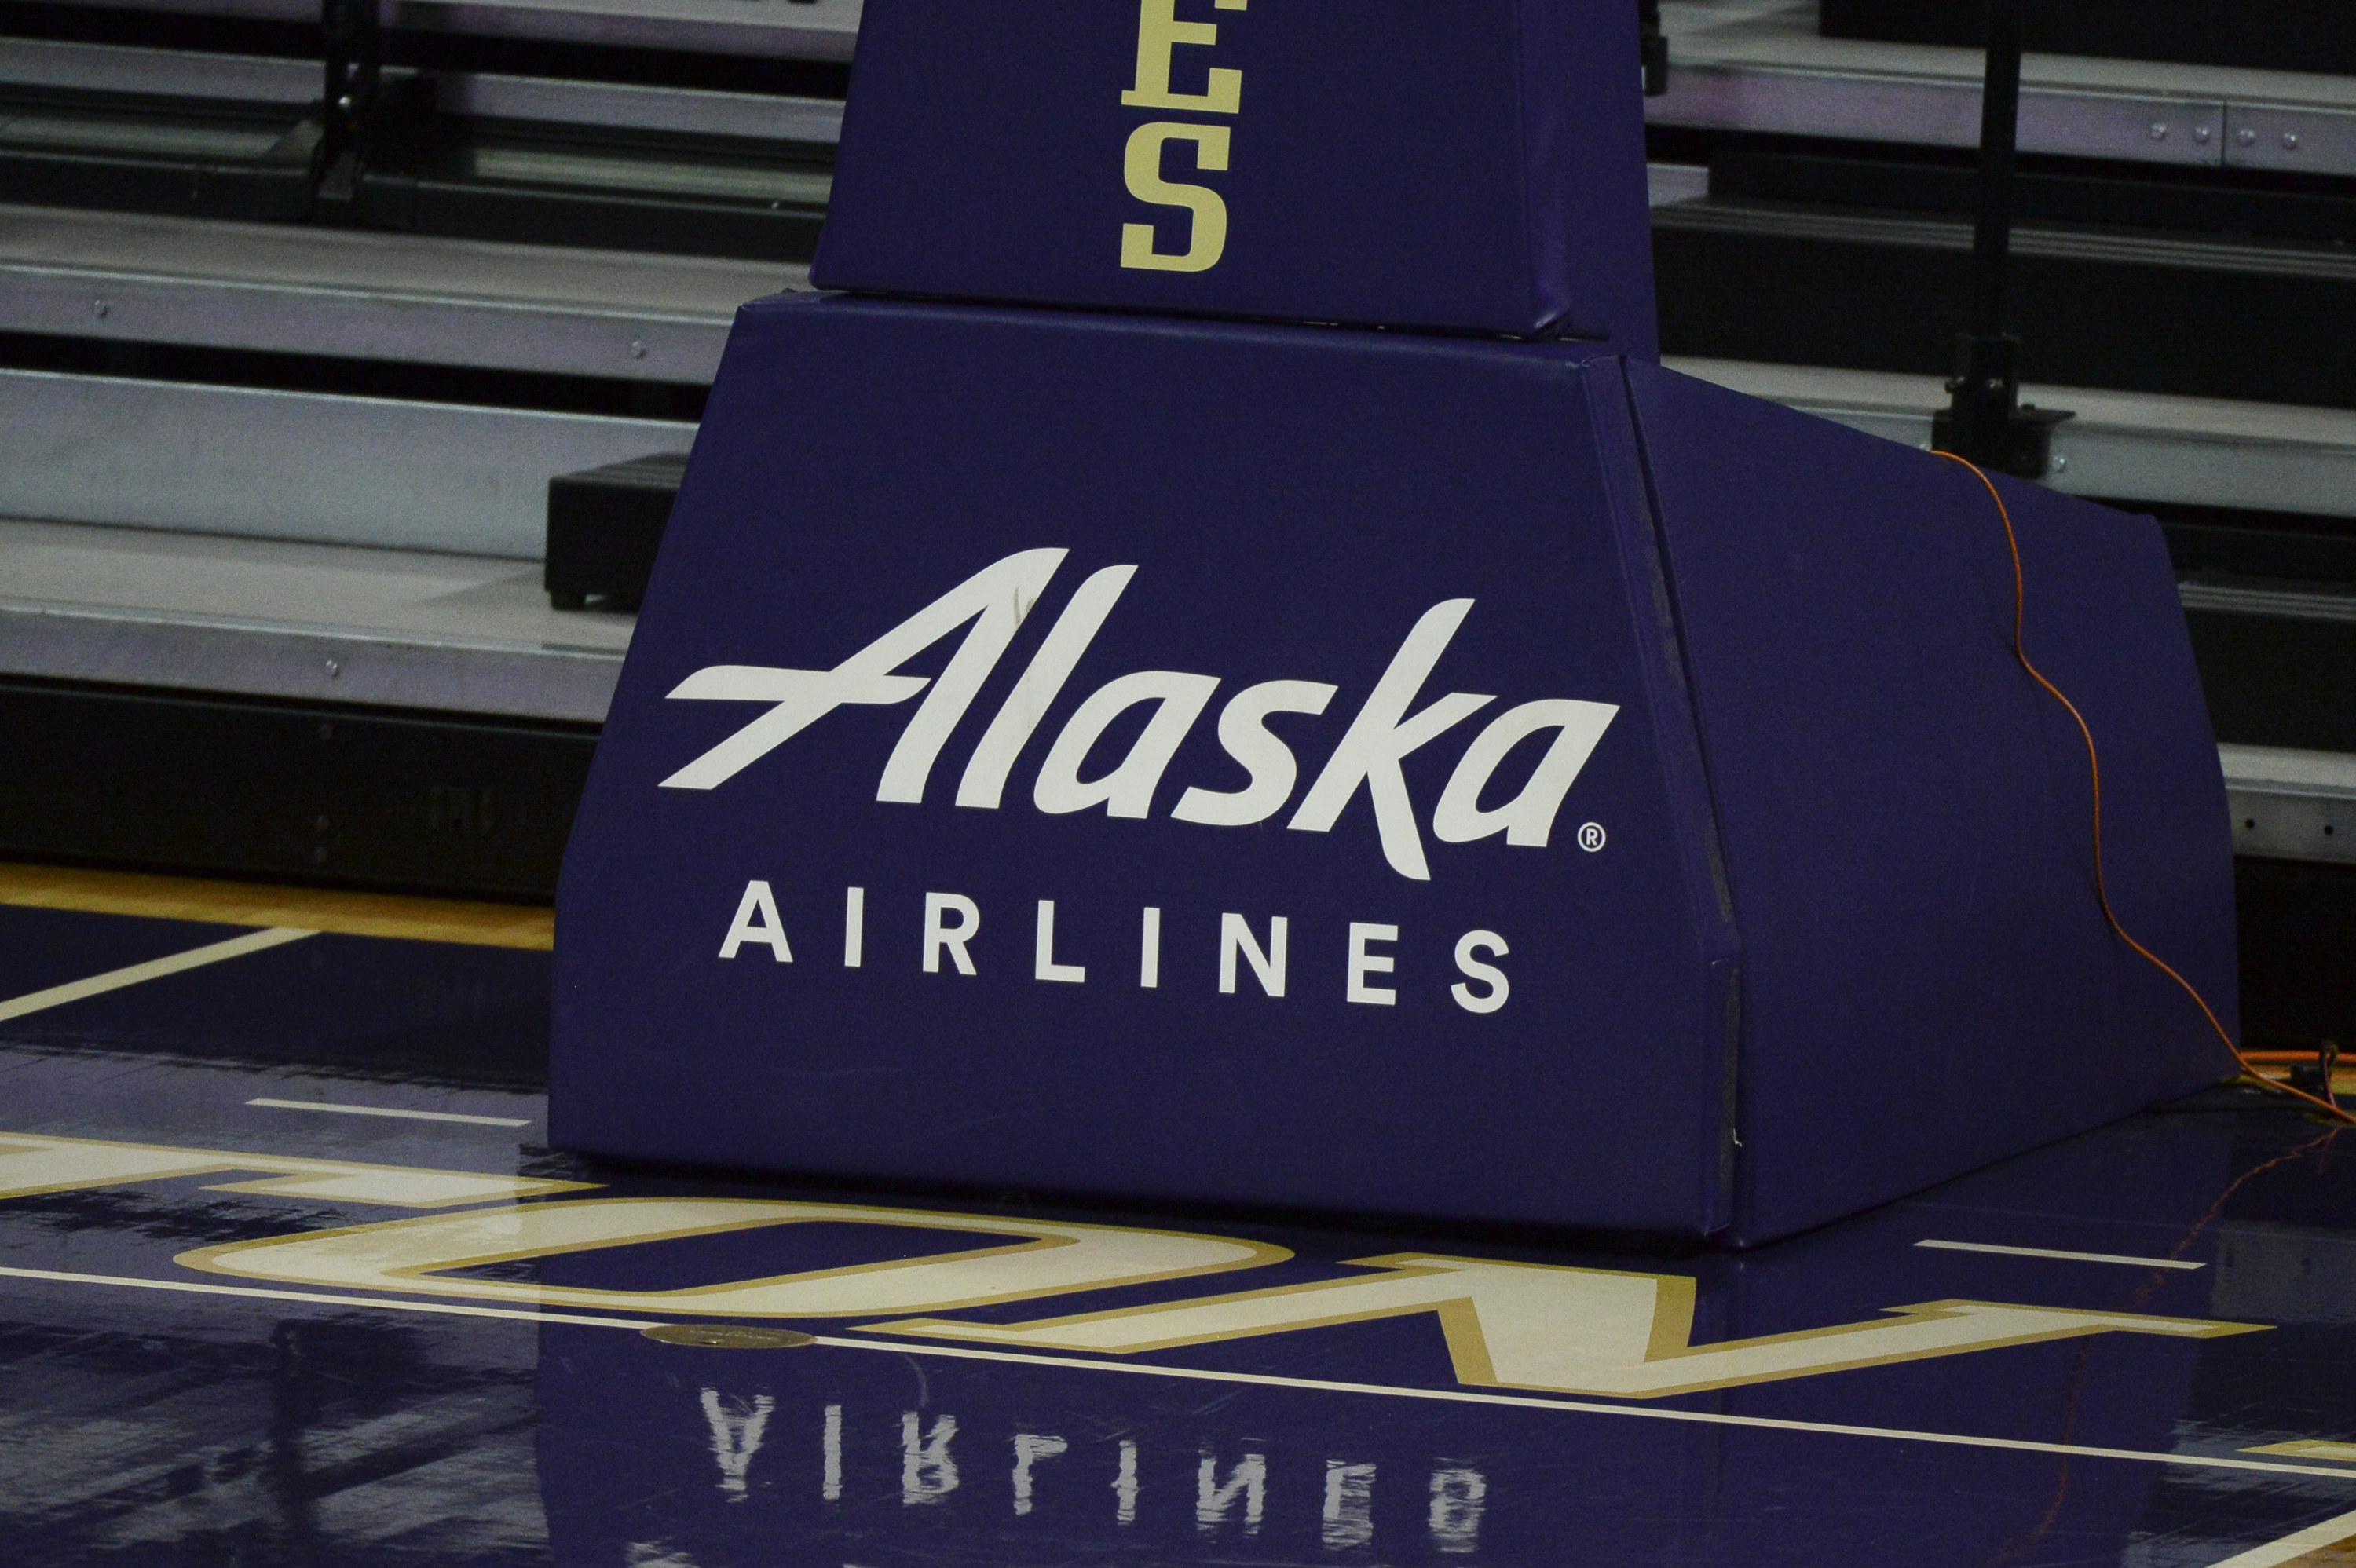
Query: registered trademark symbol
x,y
1590,836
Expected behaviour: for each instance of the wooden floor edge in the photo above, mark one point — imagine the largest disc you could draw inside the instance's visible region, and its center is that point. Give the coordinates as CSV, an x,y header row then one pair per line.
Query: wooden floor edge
x,y
401,916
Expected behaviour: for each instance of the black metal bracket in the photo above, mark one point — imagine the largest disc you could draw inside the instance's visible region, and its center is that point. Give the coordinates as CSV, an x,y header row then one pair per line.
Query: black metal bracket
x,y
1655,46
366,121
354,75
2316,1080
1985,419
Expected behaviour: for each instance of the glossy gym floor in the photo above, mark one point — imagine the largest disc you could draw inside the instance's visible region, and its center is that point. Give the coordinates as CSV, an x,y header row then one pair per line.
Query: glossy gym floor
x,y
183,1101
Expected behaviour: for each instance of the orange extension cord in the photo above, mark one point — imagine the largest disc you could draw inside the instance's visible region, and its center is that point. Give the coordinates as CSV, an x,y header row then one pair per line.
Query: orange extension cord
x,y
2094,766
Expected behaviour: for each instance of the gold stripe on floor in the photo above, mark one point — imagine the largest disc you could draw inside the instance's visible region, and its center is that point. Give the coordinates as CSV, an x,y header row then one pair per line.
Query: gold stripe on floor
x,y
153,969
482,924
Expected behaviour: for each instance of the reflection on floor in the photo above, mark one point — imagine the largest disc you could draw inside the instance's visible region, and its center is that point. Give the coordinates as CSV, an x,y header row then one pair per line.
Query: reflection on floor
x,y
2138,1348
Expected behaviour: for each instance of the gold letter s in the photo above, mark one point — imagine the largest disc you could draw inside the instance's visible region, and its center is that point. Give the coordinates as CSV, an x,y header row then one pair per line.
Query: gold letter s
x,y
1143,166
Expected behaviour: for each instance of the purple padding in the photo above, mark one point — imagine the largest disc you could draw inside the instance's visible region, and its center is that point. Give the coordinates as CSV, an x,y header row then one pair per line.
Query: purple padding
x,y
1929,983
1457,164
1291,502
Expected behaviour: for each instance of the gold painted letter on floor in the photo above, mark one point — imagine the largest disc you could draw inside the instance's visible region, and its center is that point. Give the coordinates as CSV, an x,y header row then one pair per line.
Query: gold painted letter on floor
x,y
1565,1330
1038,1258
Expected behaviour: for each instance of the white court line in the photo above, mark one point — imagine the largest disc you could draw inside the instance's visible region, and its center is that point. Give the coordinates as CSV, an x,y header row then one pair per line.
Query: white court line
x,y
1264,1379
153,969
191,1287
381,1110
2291,1548
2066,1257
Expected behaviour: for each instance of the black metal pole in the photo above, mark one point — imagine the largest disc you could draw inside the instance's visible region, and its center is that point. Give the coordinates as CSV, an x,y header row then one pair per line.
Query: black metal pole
x,y
350,29
1984,420
1999,135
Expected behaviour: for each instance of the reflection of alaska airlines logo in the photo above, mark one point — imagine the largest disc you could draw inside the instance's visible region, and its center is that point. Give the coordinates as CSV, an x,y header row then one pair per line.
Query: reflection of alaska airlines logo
x,y
991,604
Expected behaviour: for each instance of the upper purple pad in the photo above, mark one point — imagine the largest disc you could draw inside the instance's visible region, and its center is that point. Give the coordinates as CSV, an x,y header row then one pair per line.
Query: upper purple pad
x,y
1453,165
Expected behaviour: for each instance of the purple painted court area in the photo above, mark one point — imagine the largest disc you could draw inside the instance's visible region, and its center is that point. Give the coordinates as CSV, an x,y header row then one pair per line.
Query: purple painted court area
x,y
171,1426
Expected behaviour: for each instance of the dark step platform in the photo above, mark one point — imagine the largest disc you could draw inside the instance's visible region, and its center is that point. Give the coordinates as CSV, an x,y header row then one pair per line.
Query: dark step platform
x,y
2267,34
605,526
338,794
1807,285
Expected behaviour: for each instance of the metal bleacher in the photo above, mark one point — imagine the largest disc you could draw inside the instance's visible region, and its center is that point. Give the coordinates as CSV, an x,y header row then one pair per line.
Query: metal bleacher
x,y
280,404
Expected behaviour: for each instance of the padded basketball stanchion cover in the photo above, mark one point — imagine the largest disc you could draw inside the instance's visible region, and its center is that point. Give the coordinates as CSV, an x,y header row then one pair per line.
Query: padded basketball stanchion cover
x,y
1353,770
1469,165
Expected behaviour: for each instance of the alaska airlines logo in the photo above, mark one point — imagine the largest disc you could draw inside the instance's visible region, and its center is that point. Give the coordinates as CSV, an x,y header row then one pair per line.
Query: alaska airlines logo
x,y
990,606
